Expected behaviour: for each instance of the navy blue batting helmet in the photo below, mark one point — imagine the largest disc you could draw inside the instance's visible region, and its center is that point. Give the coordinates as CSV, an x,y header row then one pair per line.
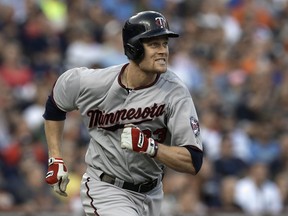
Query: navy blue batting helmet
x,y
146,24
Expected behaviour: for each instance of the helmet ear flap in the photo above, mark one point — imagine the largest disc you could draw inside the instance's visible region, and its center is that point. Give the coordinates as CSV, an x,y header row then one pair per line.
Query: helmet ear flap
x,y
134,51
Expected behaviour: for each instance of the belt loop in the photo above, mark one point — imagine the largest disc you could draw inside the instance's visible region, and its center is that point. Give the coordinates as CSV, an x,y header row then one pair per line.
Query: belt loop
x,y
159,180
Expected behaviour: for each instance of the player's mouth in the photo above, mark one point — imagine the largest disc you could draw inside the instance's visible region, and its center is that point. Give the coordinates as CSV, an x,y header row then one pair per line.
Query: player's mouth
x,y
161,61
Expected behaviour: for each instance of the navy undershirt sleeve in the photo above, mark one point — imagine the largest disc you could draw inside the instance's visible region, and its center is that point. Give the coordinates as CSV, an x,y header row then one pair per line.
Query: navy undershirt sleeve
x,y
197,157
52,112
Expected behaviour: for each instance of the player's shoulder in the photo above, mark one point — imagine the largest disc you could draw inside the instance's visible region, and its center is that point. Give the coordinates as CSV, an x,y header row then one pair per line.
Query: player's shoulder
x,y
84,71
173,81
171,77
93,74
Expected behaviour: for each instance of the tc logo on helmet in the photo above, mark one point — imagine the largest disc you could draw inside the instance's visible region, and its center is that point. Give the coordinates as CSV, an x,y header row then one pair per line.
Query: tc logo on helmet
x,y
160,21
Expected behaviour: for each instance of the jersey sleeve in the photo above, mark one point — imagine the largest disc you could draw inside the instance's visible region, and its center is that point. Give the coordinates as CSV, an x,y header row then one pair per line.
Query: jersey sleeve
x,y
183,124
66,90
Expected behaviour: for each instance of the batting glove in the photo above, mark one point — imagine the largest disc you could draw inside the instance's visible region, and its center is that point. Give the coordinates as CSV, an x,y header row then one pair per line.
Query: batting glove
x,y
57,175
134,139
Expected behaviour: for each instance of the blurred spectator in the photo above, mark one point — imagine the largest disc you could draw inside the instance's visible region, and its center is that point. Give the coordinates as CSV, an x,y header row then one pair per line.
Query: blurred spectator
x,y
121,13
36,195
32,114
13,69
264,147
189,203
18,9
182,195
211,133
228,164
112,45
280,163
36,33
208,184
227,194
256,194
16,73
186,66
282,105
82,50
6,102
281,180
238,131
6,198
172,186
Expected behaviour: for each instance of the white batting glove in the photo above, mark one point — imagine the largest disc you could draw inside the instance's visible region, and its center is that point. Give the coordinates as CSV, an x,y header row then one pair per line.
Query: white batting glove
x,y
57,175
133,138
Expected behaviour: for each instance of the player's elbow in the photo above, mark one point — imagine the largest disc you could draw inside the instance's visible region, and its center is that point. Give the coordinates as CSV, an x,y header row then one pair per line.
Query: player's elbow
x,y
195,171
197,164
191,170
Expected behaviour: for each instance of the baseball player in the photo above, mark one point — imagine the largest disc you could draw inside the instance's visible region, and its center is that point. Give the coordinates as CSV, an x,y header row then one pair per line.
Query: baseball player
x,y
141,118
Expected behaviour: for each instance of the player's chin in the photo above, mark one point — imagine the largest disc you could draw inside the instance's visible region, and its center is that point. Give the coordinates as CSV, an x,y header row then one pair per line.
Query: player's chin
x,y
161,68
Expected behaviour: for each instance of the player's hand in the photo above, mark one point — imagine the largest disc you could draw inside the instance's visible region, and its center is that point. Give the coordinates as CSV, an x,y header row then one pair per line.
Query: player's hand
x,y
57,175
134,139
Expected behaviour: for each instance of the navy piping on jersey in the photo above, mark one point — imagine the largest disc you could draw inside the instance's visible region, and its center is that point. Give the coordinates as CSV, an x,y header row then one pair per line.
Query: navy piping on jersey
x,y
87,192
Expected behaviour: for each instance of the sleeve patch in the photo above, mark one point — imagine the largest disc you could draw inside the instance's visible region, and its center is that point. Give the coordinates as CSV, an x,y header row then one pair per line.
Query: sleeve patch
x,y
195,126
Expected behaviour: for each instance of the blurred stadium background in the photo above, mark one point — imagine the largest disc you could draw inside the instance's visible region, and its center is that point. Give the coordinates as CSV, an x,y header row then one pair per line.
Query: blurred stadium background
x,y
232,55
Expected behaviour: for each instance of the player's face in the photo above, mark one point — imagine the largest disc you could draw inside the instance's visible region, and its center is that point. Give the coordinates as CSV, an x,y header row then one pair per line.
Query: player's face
x,y
156,55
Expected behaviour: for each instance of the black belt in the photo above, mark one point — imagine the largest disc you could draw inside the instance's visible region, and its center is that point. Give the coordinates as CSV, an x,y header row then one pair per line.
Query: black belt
x,y
141,188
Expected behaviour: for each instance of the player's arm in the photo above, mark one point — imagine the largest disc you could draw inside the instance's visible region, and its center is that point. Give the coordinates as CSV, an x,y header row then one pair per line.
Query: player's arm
x,y
186,159
62,100
54,125
53,132
57,174
182,159
186,151
185,155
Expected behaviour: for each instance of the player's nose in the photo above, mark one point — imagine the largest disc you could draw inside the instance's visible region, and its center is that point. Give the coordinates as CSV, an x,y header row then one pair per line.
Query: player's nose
x,y
163,49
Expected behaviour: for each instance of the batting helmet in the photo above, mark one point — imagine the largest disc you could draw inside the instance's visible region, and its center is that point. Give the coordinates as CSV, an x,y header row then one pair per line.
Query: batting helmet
x,y
145,24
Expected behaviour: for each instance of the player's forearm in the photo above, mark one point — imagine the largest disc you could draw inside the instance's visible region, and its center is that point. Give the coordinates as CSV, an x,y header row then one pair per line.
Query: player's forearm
x,y
177,158
54,132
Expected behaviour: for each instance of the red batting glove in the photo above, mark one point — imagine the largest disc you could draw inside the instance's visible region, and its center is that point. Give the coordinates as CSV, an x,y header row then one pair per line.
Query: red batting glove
x,y
133,138
57,175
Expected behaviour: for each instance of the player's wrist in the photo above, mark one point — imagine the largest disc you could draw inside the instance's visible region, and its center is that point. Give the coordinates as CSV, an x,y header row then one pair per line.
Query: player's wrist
x,y
53,160
153,148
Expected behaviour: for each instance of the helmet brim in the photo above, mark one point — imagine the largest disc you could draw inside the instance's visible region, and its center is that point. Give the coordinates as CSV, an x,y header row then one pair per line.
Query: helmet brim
x,y
157,33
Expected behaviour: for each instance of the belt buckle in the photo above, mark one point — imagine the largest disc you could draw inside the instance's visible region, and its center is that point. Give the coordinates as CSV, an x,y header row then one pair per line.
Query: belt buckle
x,y
147,186
107,178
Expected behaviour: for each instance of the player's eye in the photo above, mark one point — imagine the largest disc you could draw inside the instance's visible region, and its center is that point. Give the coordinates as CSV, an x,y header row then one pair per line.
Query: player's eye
x,y
154,44
165,44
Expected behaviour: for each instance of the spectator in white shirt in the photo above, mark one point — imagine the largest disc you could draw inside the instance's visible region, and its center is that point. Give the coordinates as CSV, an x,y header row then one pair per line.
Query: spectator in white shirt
x,y
256,194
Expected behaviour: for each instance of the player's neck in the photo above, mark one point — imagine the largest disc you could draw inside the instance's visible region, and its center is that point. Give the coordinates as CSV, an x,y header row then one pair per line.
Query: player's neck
x,y
134,77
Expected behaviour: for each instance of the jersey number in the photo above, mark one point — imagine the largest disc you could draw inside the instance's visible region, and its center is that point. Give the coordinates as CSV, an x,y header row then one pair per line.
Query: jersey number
x,y
159,134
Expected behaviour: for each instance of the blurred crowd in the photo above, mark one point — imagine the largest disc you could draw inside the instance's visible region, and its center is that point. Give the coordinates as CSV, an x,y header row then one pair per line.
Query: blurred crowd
x,y
232,55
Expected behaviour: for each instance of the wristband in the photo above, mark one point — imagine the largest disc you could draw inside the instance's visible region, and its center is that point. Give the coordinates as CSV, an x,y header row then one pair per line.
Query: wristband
x,y
156,146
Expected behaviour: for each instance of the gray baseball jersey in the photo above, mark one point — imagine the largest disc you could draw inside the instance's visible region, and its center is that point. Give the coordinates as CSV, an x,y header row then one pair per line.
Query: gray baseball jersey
x,y
163,110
